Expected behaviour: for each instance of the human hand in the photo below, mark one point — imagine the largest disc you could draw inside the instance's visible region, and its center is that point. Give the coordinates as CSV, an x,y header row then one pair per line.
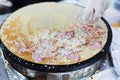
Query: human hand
x,y
5,3
94,10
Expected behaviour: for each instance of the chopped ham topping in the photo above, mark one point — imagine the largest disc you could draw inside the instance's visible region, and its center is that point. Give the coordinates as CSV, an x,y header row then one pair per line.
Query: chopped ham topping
x,y
37,57
69,54
66,35
95,44
21,47
73,57
98,31
93,30
49,44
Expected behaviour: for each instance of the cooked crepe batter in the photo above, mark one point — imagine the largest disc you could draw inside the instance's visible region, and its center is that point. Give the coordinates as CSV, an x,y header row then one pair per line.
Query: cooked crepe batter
x,y
52,33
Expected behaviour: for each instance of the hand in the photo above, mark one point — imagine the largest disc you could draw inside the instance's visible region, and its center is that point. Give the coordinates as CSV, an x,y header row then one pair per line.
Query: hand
x,y
94,10
5,3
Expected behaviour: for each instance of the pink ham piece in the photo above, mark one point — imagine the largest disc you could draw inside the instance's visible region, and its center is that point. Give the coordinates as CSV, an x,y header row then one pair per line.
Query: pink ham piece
x,y
93,30
66,35
87,28
21,47
95,44
69,54
37,57
98,31
73,57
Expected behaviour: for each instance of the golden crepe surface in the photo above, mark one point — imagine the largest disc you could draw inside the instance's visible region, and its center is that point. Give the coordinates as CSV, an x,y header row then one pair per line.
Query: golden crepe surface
x,y
52,33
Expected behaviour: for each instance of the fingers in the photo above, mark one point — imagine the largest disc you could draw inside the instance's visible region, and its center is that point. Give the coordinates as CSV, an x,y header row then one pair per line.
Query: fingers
x,y
94,10
88,15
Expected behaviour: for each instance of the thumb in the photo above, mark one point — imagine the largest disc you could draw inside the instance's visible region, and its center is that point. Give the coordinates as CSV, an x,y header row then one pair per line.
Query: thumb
x,y
88,15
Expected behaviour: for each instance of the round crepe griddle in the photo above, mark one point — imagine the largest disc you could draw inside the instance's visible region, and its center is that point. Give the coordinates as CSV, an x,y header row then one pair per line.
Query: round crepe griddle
x,y
32,19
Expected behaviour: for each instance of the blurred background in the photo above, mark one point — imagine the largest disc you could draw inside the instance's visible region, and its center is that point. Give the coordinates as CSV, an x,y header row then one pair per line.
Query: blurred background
x,y
7,6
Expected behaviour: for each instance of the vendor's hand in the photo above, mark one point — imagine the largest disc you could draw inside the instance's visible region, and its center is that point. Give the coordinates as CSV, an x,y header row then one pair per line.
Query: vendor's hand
x,y
5,3
94,10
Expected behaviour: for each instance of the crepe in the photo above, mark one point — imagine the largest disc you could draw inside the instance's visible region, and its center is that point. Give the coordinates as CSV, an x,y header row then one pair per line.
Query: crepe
x,y
37,33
